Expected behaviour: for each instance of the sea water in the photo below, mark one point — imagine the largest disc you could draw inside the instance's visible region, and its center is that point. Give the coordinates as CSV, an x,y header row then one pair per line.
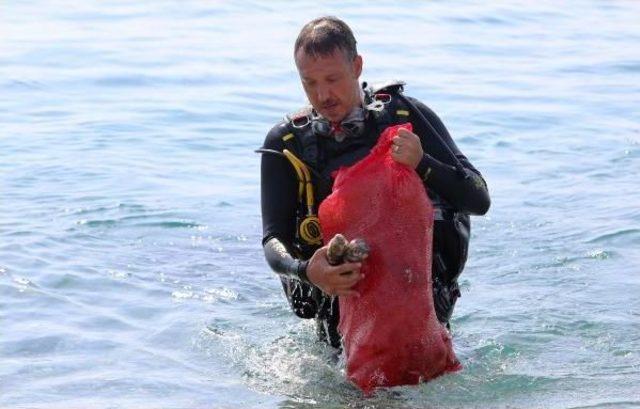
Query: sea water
x,y
131,268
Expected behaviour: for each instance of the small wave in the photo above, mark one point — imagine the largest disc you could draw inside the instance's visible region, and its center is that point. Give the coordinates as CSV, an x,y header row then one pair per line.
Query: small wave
x,y
23,283
209,295
609,404
484,20
502,144
600,254
119,274
120,207
216,294
629,235
170,224
183,294
125,222
22,84
97,223
143,80
125,81
51,113
292,364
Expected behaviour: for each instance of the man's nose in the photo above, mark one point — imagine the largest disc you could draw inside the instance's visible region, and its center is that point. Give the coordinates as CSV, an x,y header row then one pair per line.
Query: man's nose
x,y
323,93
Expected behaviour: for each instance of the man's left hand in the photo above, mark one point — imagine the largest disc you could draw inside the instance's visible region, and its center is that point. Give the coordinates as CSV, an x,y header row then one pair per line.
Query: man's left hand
x,y
406,148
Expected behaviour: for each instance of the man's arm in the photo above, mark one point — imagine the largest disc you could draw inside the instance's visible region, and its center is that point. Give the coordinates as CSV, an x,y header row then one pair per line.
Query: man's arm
x,y
467,193
281,260
279,198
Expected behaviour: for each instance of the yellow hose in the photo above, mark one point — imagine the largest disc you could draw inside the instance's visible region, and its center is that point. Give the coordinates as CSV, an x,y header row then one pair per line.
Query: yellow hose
x,y
303,176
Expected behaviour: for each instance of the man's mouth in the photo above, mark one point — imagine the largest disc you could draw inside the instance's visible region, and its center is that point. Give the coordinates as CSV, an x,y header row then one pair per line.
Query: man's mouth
x,y
330,106
330,111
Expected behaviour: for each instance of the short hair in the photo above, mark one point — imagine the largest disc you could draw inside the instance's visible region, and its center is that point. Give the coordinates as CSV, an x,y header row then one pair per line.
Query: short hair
x,y
323,35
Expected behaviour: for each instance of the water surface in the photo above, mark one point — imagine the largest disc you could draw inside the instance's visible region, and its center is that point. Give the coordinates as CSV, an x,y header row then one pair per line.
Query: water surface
x,y
131,272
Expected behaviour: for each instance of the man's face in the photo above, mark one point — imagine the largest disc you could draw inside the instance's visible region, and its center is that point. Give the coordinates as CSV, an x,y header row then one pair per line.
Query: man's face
x,y
330,82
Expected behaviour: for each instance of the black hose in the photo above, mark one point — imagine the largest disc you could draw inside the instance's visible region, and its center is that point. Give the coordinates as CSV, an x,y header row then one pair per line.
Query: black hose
x,y
434,133
271,151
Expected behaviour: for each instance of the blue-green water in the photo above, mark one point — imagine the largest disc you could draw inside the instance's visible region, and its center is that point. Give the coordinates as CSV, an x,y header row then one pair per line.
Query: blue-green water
x,y
131,272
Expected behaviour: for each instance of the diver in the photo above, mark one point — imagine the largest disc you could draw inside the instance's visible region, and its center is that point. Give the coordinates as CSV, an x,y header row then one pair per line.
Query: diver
x,y
341,125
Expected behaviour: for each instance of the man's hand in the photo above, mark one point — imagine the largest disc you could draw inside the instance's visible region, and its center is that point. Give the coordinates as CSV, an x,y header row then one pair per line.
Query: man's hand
x,y
406,148
333,280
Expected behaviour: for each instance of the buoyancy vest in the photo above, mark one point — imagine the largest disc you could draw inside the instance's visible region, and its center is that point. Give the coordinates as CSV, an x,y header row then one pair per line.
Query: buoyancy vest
x,y
451,228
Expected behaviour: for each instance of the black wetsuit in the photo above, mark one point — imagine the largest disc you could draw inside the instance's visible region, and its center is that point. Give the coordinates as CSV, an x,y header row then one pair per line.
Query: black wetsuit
x,y
452,193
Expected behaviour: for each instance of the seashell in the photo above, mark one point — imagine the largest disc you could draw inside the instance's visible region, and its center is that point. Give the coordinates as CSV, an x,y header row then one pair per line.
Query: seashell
x,y
340,250
357,250
337,249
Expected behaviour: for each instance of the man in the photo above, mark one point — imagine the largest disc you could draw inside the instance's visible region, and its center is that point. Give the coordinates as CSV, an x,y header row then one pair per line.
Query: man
x,y
340,128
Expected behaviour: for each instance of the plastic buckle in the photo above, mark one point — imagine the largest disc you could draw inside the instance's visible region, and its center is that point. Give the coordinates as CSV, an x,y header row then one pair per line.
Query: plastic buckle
x,y
384,98
301,121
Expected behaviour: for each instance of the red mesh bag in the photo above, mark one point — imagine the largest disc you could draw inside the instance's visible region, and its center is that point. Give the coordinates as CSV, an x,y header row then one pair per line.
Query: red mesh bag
x,y
390,334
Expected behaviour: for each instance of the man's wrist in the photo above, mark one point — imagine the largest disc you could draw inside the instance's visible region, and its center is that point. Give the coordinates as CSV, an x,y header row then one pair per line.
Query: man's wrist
x,y
302,271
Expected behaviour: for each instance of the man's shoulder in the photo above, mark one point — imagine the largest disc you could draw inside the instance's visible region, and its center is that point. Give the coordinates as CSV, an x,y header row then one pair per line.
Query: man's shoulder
x,y
418,103
274,137
423,108
396,87
273,140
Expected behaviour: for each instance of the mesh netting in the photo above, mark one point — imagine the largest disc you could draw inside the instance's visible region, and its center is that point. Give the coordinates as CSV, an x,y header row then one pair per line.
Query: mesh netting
x,y
390,333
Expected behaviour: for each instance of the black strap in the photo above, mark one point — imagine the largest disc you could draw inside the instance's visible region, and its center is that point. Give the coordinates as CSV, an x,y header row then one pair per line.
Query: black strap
x,y
434,134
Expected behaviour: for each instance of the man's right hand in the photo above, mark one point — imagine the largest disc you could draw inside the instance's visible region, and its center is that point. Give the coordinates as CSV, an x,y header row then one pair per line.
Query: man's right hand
x,y
333,280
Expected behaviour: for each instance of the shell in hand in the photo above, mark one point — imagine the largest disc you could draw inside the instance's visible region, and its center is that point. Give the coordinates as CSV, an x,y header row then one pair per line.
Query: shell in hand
x,y
341,250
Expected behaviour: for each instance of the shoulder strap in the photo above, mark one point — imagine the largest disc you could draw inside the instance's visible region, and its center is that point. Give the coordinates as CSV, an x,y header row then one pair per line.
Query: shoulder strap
x,y
392,111
395,88
291,143
300,138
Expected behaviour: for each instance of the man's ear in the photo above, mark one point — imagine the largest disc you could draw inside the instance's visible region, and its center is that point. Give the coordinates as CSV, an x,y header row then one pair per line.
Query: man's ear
x,y
357,65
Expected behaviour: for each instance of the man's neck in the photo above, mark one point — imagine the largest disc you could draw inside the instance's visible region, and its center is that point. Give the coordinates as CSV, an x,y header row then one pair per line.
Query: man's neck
x,y
358,105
